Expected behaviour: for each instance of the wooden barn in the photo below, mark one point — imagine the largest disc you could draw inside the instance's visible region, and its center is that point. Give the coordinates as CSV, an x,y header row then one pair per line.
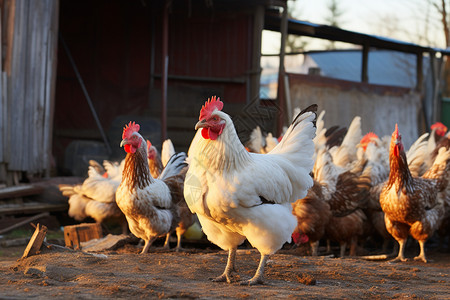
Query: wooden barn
x,y
75,72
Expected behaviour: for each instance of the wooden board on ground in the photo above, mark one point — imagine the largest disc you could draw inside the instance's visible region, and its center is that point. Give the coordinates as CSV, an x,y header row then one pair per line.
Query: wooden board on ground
x,y
109,242
36,241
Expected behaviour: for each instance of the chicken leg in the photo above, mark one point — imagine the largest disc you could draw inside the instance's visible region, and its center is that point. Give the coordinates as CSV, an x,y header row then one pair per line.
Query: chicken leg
x,y
421,256
147,245
259,275
178,248
229,268
166,242
401,251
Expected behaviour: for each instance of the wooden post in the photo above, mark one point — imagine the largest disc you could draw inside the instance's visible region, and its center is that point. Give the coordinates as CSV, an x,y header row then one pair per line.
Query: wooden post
x,y
364,64
36,241
281,97
165,69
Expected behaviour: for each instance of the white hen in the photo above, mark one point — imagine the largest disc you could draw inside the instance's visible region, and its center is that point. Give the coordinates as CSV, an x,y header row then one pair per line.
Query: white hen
x,y
239,195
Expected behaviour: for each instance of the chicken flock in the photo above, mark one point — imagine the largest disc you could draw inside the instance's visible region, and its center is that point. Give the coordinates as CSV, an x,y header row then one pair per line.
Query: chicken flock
x,y
313,184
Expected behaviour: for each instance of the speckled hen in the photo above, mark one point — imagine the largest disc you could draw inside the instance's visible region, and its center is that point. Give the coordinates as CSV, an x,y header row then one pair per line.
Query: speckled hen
x,y
413,205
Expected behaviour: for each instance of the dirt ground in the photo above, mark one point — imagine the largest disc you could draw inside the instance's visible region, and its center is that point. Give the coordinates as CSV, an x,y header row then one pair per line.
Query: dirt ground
x,y
124,273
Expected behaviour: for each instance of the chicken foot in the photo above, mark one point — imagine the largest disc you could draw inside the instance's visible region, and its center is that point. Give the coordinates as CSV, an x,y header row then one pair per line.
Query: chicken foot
x,y
229,268
421,256
401,251
259,275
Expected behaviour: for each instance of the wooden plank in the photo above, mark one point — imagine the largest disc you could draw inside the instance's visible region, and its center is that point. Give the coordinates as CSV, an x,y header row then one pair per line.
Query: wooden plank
x,y
29,208
36,241
20,191
19,137
8,10
50,84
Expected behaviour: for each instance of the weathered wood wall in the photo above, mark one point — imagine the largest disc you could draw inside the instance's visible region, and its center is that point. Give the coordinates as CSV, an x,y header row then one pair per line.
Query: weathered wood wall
x,y
28,85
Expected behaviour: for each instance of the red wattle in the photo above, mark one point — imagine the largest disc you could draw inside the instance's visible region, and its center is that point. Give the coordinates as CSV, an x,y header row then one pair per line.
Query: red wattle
x,y
212,134
396,151
205,133
129,149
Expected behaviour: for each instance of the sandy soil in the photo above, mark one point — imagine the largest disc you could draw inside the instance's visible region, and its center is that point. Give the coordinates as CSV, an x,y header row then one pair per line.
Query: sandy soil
x,y
124,273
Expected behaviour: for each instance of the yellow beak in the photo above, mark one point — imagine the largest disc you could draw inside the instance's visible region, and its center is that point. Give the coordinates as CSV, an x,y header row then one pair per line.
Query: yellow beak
x,y
200,124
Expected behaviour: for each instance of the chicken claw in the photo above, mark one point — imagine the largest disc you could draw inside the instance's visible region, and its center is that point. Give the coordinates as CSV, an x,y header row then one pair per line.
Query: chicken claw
x,y
229,268
222,278
259,275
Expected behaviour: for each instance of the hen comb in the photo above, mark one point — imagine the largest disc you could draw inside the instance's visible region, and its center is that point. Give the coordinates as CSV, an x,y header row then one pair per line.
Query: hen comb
x,y
395,133
439,126
368,137
129,129
210,106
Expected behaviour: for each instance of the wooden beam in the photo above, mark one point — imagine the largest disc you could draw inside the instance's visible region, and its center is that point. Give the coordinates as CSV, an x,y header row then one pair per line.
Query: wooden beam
x,y
20,191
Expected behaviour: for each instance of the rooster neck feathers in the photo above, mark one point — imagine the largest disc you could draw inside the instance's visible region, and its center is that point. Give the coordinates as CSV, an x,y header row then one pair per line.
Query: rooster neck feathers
x,y
399,172
136,171
226,152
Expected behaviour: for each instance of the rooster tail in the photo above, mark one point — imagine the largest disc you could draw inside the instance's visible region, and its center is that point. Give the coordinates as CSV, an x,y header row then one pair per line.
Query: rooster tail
x,y
67,189
256,141
297,144
354,134
325,172
295,152
167,151
417,154
176,165
302,129
440,170
98,167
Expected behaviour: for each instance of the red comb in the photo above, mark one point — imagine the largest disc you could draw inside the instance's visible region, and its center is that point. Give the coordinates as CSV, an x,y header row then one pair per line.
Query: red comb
x,y
396,134
441,129
438,125
149,144
210,106
129,129
368,137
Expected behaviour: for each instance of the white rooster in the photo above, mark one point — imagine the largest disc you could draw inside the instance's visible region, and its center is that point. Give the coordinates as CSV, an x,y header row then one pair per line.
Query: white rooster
x,y
239,195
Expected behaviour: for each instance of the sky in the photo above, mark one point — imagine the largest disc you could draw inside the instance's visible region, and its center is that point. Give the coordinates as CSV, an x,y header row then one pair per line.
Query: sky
x,y
398,19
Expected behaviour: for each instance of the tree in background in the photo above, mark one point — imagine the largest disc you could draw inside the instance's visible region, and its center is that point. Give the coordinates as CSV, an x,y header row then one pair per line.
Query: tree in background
x,y
294,43
334,18
442,10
